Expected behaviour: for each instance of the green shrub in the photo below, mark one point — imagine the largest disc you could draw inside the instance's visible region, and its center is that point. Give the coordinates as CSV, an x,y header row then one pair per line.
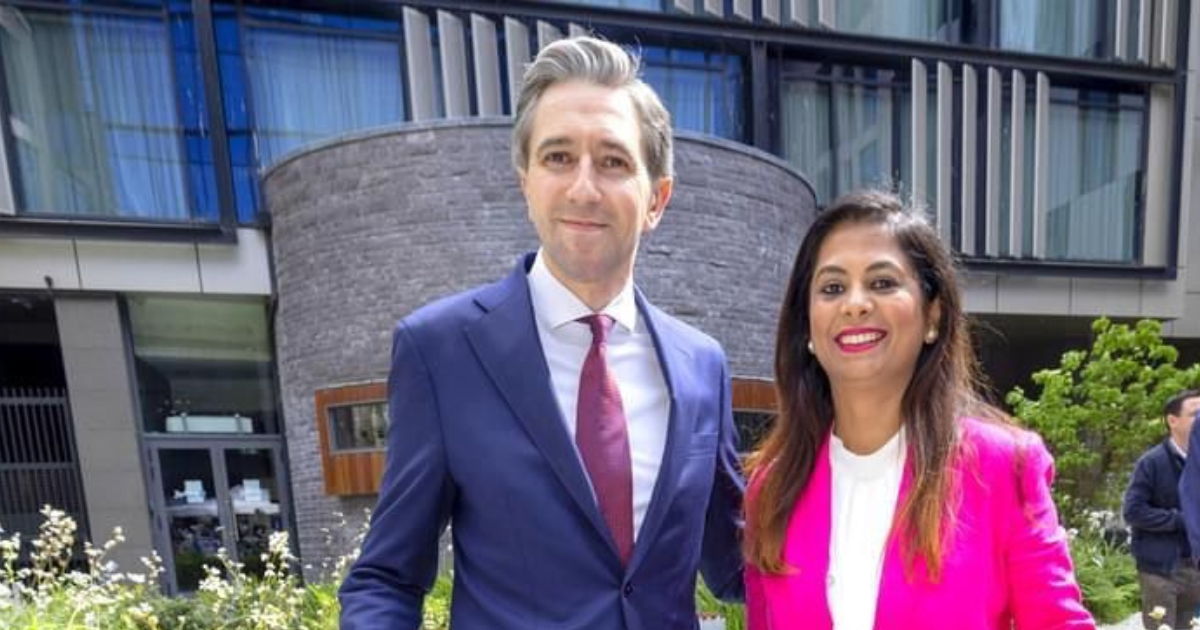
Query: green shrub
x,y
707,605
1107,576
1101,408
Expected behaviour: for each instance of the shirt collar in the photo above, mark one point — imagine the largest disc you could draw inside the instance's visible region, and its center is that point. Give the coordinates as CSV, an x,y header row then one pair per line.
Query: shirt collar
x,y
555,306
1177,448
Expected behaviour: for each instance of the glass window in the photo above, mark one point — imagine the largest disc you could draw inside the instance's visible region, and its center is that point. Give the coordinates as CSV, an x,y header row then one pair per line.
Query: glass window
x,y
703,90
842,126
752,428
912,19
203,365
292,78
1095,172
356,427
1073,28
97,119
644,5
307,86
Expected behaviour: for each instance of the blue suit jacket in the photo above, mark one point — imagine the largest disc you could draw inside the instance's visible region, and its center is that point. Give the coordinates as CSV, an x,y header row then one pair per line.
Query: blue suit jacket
x,y
477,440
1189,491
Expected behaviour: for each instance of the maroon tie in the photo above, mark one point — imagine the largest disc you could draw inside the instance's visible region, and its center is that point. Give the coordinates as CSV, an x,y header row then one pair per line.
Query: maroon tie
x,y
602,438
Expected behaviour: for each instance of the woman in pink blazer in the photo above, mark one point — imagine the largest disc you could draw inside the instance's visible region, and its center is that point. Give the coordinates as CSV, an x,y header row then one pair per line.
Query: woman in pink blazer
x,y
888,495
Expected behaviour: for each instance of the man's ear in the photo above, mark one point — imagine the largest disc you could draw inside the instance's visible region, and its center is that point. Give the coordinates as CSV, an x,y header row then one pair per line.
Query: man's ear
x,y
659,198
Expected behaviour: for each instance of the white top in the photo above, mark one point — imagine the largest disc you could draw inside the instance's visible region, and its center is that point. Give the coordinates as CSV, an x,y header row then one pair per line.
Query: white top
x,y
632,358
865,491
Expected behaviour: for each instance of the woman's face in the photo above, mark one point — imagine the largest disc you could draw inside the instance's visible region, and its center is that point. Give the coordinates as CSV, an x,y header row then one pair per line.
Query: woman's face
x,y
867,316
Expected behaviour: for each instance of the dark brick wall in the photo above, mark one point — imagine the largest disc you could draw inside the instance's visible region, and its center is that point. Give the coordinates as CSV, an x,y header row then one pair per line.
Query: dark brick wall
x,y
367,228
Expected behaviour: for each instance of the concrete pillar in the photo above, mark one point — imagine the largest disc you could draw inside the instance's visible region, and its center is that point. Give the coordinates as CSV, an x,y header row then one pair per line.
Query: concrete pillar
x,y
100,389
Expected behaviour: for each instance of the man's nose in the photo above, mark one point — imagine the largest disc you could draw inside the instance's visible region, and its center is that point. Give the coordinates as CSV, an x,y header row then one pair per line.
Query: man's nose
x,y
583,188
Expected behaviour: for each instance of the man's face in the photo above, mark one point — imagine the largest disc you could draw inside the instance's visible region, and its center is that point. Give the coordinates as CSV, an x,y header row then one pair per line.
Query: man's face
x,y
1181,425
589,193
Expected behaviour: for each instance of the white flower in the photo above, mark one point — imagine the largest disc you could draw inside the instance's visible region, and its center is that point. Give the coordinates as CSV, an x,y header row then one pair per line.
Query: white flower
x,y
1157,613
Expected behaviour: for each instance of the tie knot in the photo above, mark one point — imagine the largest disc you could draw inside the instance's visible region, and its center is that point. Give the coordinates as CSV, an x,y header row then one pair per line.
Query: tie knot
x,y
600,325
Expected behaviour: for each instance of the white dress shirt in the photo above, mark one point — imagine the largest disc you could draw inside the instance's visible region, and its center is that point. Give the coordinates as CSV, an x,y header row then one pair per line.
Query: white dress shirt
x,y
631,357
865,491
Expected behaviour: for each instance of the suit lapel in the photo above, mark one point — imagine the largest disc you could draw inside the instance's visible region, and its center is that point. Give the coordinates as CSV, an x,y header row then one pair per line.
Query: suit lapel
x,y
506,342
681,423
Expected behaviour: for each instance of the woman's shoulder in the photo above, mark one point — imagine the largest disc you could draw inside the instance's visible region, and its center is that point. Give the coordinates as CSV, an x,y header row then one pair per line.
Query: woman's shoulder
x,y
1000,443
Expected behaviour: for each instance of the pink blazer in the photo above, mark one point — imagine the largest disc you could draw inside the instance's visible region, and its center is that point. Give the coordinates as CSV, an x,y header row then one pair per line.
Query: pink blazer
x,y
1006,565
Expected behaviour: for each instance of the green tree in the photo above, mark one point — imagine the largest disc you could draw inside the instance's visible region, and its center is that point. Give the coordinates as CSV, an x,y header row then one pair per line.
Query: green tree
x,y
1101,408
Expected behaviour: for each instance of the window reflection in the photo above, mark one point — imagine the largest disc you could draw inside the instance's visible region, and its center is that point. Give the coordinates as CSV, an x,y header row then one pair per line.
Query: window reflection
x,y
308,87
644,5
912,19
1074,28
95,119
291,78
842,126
203,365
701,89
356,427
752,428
1095,175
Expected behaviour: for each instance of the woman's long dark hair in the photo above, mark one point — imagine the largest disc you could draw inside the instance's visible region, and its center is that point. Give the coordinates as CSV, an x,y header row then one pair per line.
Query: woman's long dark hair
x,y
942,388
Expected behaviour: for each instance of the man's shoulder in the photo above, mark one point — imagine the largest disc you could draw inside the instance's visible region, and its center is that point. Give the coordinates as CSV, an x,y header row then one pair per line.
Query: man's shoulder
x,y
681,333
1153,456
452,312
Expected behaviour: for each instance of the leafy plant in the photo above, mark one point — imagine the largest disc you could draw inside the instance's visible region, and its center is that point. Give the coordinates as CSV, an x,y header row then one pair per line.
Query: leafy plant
x,y
48,592
707,605
1101,408
1106,574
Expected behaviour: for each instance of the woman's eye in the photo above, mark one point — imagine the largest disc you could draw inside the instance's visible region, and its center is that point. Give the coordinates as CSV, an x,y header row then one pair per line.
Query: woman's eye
x,y
880,284
885,283
831,288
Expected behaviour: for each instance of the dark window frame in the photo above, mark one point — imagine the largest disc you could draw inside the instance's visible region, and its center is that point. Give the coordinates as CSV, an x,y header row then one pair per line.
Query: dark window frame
x,y
58,225
331,420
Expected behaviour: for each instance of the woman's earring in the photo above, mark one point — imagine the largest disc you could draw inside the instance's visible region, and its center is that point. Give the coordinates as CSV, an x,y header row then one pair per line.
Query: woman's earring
x,y
810,347
931,336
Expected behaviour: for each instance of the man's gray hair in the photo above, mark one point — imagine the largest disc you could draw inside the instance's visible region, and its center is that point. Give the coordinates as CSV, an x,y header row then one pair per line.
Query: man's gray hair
x,y
601,63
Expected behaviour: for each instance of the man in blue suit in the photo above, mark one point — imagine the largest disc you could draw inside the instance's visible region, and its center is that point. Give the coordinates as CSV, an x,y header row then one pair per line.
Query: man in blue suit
x,y
1189,480
579,440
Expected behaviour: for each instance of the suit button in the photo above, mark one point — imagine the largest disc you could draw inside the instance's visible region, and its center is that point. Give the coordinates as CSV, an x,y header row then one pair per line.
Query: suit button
x,y
628,590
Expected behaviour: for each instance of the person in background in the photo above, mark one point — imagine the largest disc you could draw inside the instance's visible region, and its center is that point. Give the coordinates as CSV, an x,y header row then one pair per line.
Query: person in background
x,y
1152,508
888,495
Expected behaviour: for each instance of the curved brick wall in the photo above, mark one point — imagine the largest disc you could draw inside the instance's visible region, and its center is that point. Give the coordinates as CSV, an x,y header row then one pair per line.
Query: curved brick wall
x,y
369,227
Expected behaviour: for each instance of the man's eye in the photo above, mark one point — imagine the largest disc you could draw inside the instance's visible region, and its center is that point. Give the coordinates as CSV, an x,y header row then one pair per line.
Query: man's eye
x,y
557,157
614,162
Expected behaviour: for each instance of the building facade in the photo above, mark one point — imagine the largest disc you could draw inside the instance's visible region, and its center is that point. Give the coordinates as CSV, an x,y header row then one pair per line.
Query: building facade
x,y
212,212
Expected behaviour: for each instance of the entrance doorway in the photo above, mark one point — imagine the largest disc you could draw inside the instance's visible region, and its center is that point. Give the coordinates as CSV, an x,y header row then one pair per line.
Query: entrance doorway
x,y
211,493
